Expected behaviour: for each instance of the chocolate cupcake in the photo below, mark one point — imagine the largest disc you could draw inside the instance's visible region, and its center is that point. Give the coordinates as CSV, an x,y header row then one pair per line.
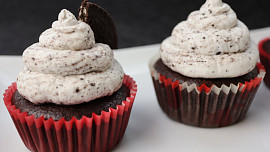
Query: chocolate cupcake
x,y
207,74
264,48
72,95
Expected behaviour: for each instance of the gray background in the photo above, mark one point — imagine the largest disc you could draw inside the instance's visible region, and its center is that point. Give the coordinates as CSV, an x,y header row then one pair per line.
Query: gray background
x,y
139,22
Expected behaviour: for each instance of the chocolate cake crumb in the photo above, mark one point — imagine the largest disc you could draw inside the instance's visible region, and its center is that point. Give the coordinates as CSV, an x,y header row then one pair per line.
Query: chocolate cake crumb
x,y
50,110
160,67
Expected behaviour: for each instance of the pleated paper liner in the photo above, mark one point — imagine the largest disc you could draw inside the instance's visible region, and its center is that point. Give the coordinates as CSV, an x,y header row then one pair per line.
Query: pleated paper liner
x,y
265,60
97,134
203,106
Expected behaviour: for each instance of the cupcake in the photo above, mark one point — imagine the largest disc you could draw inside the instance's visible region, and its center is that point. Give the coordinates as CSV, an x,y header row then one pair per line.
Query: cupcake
x,y
72,95
264,49
206,73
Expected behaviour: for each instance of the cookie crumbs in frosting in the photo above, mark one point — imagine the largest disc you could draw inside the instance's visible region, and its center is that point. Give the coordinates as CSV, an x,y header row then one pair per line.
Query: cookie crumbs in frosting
x,y
67,66
211,39
67,34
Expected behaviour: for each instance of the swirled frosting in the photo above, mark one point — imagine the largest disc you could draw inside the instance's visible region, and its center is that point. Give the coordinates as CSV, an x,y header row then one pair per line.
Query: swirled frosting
x,y
211,43
67,34
67,67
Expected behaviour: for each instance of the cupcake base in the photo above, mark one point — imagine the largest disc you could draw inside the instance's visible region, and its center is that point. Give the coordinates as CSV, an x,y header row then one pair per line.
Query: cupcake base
x,y
203,109
99,133
204,106
51,110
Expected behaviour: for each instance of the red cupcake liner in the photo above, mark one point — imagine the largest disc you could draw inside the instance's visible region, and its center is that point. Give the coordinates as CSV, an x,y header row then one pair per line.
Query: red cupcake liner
x,y
265,60
204,106
99,133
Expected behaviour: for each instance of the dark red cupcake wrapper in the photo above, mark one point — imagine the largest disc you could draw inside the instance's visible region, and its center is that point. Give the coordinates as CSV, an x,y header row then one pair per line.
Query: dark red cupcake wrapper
x,y
265,60
204,106
99,133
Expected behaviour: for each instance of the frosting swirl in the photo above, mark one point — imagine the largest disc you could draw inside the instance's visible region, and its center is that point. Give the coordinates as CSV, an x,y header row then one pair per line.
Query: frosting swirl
x,y
67,66
211,43
67,62
39,87
67,34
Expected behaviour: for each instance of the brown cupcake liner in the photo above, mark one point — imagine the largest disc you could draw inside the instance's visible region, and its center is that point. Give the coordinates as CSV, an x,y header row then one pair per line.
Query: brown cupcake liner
x,y
99,133
265,60
204,106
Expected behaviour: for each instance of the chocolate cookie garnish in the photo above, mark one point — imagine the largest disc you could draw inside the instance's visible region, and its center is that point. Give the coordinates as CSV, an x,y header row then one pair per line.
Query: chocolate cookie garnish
x,y
100,22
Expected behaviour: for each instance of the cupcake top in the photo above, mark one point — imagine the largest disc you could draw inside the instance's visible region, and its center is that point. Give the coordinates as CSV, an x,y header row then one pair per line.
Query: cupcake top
x,y
67,66
211,43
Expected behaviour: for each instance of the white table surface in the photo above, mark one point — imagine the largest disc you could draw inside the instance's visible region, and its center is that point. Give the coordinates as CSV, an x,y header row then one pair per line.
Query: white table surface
x,y
149,128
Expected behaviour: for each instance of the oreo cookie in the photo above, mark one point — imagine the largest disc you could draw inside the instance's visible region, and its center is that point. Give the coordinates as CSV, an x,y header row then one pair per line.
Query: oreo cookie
x,y
100,22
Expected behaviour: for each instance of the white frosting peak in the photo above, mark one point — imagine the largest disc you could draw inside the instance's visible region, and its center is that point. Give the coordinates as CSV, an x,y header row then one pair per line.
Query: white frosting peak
x,y
68,34
211,33
213,14
66,18
67,66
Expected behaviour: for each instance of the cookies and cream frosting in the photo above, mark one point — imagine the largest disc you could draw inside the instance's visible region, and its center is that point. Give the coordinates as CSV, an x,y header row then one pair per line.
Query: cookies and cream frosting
x,y
211,43
67,67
